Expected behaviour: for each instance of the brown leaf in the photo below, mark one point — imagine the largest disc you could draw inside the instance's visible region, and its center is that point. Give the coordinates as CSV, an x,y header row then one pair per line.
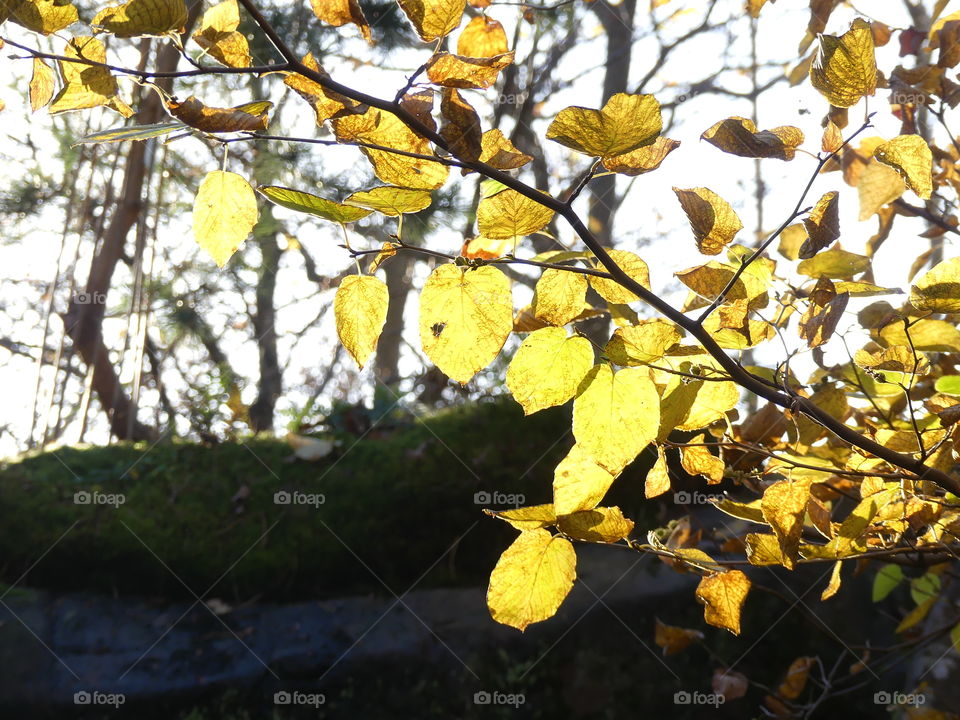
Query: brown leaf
x,y
739,136
216,120
461,128
642,160
458,71
822,224
341,12
818,324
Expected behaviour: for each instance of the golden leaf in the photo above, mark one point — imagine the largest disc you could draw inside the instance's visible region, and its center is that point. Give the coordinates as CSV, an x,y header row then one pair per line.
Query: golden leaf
x,y
642,343
342,12
625,123
548,368
509,214
41,84
326,103
499,152
715,224
834,263
739,136
559,296
611,290
697,459
224,213
910,156
602,524
722,595
218,35
87,86
527,518
531,579
845,68
142,17
674,639
579,483
938,290
458,71
461,127
360,310
391,200
642,160
878,185
465,317
784,504
194,113
41,16
658,477
822,225
433,19
616,415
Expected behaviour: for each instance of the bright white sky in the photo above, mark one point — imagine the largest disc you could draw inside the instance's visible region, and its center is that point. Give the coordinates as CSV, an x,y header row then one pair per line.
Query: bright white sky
x,y
650,221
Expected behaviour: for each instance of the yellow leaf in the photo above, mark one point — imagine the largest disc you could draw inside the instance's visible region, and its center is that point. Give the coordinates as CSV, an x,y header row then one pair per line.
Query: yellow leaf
x,y
461,126
834,263
625,123
326,103
916,615
360,309
433,19
642,343
341,12
754,6
713,221
559,296
898,359
218,35
390,200
784,504
658,477
642,160
616,415
822,225
457,71
216,120
548,368
834,585
697,459
878,185
312,204
482,37
845,68
531,579
938,290
710,279
745,511
819,323
605,524
611,290
509,214
928,335
499,152
739,136
224,213
527,518
85,86
674,639
579,483
465,317
41,84
41,16
387,250
722,595
763,549
910,156
142,17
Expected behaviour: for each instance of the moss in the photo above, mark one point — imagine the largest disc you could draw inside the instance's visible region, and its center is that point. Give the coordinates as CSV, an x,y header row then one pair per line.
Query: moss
x,y
397,505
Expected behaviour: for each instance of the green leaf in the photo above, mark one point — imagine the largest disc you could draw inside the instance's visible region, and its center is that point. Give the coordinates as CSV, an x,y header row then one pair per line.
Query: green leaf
x,y
885,581
312,204
136,132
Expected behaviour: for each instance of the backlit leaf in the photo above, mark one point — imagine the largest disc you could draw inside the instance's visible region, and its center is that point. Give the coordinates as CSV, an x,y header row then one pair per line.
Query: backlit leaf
x,y
461,126
218,35
134,132
527,518
642,160
822,225
433,19
602,524
41,84
722,595
360,309
224,213
697,459
845,68
579,483
910,156
497,151
784,504
509,214
674,639
341,12
878,185
465,317
642,343
85,86
548,368
531,579
216,120
739,136
938,290
713,221
658,477
458,71
559,296
312,204
834,263
625,123
390,200
326,103
616,415
611,290
142,17
40,16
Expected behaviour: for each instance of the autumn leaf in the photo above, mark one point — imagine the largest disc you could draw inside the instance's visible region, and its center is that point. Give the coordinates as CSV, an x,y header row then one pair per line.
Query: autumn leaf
x,y
845,69
674,639
784,504
461,127
611,290
41,84
616,415
548,368
326,103
822,225
938,290
224,213
579,482
142,17
531,579
342,12
305,202
483,37
834,263
642,160
527,518
391,200
657,481
497,151
194,113
739,136
910,156
559,296
878,185
86,86
218,35
722,595
360,310
465,317
509,214
642,343
602,524
40,16
625,123
433,19
715,224
697,459
457,71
